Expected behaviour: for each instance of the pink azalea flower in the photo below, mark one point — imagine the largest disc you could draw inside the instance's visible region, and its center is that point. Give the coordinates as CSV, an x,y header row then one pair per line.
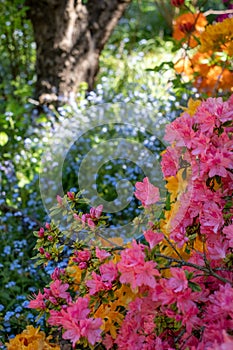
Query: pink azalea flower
x,y
217,248
108,342
133,268
178,235
170,162
200,144
218,162
222,302
178,282
227,343
58,290
211,217
71,195
190,320
95,213
83,255
101,254
96,284
146,192
73,334
82,265
207,114
90,329
108,271
181,131
153,238
228,231
55,318
38,302
75,322
41,232
145,274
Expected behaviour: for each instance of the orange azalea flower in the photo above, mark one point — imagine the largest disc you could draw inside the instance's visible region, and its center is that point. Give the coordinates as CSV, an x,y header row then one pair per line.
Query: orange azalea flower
x,y
208,78
184,66
214,78
188,26
191,66
31,339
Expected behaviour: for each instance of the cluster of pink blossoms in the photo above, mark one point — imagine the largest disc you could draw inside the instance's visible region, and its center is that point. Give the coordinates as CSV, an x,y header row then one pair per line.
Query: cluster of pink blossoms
x,y
74,319
203,143
92,218
180,282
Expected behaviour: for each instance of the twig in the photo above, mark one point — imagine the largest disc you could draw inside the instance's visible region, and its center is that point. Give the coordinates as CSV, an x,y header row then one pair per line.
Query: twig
x,y
195,266
173,247
217,12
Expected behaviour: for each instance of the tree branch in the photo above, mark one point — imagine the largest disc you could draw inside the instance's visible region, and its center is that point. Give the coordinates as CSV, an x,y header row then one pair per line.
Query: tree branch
x,y
217,12
195,266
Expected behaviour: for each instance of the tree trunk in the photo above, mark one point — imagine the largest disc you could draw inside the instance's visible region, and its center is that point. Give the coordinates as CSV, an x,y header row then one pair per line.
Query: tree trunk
x,y
70,36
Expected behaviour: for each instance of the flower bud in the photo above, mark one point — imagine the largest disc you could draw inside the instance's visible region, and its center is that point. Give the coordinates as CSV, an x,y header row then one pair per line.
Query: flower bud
x,y
41,233
59,200
177,3
70,195
41,250
47,255
82,265
98,211
91,223
48,226
50,238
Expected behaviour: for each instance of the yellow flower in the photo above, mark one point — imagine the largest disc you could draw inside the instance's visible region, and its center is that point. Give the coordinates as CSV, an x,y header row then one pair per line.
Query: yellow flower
x,y
124,295
111,242
192,106
218,37
112,319
172,187
76,275
31,339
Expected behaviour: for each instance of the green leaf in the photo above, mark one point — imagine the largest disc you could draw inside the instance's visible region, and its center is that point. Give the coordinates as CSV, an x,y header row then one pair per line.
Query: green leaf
x,y
194,286
3,138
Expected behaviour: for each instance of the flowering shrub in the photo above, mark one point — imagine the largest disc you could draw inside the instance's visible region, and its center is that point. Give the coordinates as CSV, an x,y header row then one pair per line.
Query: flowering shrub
x,y
171,288
209,66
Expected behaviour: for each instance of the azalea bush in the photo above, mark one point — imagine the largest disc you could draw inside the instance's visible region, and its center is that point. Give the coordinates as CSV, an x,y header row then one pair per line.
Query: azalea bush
x,y
171,288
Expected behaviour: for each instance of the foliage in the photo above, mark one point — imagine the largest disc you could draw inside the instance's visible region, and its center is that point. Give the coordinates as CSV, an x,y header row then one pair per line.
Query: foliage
x,y
17,49
174,288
